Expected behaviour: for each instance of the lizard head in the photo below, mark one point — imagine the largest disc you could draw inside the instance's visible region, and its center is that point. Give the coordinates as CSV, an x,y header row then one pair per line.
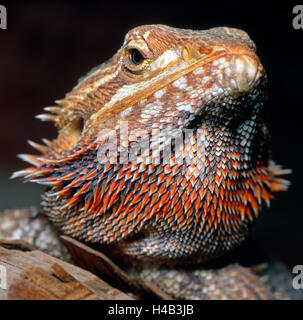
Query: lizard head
x,y
161,77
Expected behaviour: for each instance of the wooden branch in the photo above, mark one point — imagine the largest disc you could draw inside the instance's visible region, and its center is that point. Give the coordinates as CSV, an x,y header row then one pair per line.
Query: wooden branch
x,y
101,265
36,275
47,240
37,284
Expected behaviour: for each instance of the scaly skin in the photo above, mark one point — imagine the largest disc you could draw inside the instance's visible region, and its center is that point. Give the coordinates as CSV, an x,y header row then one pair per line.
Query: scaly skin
x,y
162,79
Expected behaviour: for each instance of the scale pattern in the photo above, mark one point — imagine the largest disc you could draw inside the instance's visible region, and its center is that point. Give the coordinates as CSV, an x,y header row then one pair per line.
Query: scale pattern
x,y
207,87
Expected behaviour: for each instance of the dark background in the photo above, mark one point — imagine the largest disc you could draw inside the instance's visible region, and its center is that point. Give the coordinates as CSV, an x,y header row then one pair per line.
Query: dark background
x,y
49,45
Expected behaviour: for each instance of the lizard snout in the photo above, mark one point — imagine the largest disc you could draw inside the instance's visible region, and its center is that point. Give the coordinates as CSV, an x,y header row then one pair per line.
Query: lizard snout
x,y
242,73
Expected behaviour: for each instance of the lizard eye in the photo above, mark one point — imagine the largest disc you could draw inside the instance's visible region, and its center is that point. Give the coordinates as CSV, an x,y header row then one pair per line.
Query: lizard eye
x,y
135,57
135,61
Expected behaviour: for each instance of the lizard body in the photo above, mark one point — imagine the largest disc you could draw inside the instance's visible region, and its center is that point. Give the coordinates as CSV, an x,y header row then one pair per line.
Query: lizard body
x,y
207,87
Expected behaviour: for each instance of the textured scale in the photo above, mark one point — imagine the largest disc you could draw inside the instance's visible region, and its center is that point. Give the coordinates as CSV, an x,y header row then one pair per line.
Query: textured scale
x,y
207,87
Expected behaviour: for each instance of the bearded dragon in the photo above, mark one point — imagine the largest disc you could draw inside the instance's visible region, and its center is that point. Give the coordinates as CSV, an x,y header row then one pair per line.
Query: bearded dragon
x,y
161,153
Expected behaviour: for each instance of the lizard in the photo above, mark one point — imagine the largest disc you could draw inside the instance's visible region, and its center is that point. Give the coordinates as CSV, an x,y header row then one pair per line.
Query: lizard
x,y
185,106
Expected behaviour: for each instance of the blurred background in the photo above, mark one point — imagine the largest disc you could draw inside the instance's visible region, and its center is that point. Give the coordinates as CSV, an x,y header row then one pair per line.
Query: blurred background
x,y
48,45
